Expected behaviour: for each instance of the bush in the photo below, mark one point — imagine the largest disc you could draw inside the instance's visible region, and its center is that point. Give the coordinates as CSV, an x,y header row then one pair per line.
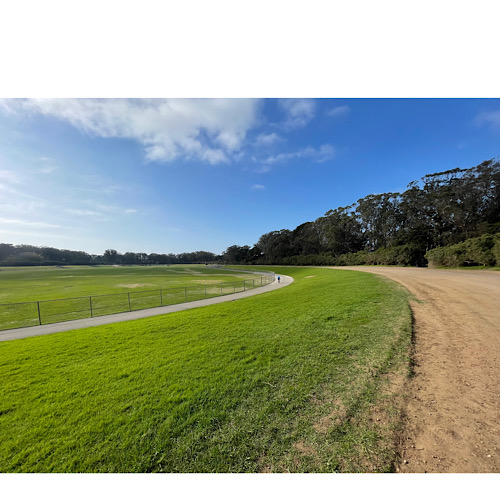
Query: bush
x,y
480,249
496,250
484,251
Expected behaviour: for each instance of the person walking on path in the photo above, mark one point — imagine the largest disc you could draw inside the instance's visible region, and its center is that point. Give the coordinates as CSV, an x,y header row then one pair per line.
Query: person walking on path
x,y
279,279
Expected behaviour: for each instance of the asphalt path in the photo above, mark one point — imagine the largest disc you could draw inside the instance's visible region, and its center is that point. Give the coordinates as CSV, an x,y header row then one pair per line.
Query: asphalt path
x,y
34,331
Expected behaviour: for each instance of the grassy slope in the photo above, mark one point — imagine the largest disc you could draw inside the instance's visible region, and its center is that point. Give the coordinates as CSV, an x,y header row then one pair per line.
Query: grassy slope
x,y
307,378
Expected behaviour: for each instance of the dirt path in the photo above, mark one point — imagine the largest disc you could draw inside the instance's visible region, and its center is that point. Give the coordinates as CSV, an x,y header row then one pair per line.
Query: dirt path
x,y
453,415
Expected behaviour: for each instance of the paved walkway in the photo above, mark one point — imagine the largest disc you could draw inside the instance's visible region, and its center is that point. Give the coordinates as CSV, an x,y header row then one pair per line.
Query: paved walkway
x,y
34,331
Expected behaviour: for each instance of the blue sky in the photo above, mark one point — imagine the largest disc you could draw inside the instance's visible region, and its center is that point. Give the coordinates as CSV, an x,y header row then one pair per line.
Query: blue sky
x,y
174,175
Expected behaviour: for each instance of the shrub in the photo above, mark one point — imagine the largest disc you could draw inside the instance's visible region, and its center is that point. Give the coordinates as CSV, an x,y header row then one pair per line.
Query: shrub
x,y
484,250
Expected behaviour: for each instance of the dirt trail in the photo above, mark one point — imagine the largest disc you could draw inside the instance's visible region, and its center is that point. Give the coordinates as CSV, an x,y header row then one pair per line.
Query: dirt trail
x,y
453,415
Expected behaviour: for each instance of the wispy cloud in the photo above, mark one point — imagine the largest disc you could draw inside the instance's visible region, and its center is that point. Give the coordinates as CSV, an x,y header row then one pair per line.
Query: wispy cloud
x,y
9,176
299,112
491,118
5,188
338,111
48,165
75,211
19,222
209,130
20,206
258,187
263,140
98,208
324,153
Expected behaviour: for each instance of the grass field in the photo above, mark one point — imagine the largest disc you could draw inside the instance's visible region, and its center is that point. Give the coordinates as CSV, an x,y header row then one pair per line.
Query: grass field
x,y
306,378
113,290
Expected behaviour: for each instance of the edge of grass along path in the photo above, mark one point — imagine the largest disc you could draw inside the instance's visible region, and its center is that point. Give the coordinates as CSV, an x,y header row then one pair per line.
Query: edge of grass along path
x,y
308,378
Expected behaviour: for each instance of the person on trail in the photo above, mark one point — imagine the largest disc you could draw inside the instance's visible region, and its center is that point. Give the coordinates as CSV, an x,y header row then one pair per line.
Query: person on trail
x,y
279,279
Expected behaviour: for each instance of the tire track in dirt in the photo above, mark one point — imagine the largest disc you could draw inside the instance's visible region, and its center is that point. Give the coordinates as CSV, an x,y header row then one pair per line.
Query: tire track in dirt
x,y
452,419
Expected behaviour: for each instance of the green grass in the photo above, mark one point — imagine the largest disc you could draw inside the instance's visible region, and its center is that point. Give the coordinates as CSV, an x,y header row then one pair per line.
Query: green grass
x,y
25,284
306,378
64,292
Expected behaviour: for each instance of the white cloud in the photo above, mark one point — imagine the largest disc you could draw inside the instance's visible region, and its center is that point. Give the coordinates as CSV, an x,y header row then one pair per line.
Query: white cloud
x,y
339,111
210,130
299,112
130,211
267,139
48,165
324,153
73,211
9,176
491,118
47,169
8,234
20,207
263,169
258,187
27,223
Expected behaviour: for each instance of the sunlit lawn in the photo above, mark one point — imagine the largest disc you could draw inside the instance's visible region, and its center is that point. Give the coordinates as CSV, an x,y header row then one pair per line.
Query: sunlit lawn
x,y
32,295
306,378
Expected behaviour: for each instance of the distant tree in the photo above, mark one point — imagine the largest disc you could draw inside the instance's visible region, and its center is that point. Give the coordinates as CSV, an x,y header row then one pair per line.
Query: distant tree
x,y
110,256
380,219
6,250
341,231
236,254
276,245
308,239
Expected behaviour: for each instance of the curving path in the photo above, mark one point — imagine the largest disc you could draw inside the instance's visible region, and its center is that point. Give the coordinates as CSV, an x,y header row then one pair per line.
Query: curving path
x,y
452,421
33,331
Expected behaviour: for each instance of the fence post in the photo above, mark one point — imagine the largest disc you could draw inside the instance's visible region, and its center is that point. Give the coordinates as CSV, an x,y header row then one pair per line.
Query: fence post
x,y
261,281
234,287
129,308
161,298
221,289
185,294
90,300
244,285
39,317
205,291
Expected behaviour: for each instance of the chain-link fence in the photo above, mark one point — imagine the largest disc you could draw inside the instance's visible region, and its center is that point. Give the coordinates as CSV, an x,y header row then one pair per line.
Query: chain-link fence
x,y
44,312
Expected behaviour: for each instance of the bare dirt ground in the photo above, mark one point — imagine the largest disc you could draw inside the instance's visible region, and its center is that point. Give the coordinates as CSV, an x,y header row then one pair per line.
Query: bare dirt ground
x,y
452,421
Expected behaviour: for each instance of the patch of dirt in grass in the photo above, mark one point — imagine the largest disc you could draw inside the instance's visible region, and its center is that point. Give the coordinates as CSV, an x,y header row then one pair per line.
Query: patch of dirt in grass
x,y
305,277
207,282
266,469
133,285
304,449
334,418
315,400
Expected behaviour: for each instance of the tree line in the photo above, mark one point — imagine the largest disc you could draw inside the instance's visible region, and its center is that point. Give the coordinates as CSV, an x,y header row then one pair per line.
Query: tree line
x,y
441,209
30,255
